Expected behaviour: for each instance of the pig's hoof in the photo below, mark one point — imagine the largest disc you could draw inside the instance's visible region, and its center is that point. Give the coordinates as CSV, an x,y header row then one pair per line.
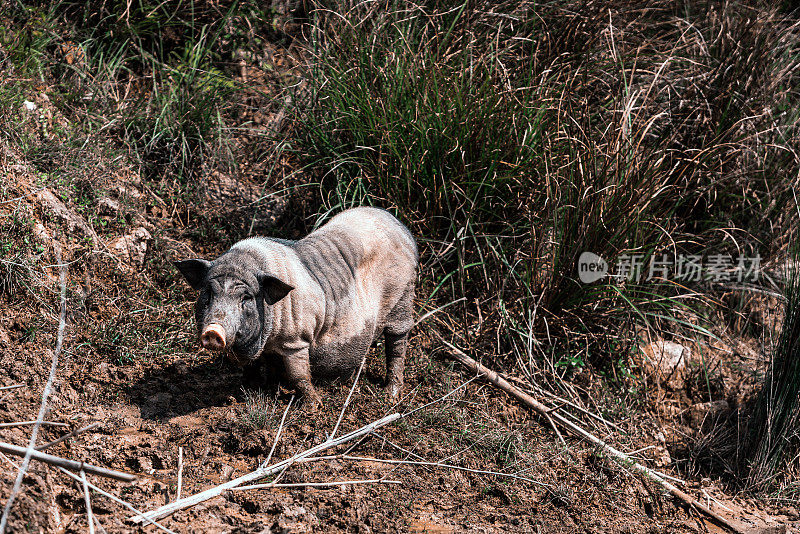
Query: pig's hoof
x,y
394,390
311,403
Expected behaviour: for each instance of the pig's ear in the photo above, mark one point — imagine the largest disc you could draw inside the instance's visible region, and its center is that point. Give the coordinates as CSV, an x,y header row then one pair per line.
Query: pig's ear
x,y
274,289
194,271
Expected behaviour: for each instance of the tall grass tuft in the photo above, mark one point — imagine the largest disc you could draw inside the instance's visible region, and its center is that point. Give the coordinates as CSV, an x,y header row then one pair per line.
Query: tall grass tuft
x,y
775,423
514,136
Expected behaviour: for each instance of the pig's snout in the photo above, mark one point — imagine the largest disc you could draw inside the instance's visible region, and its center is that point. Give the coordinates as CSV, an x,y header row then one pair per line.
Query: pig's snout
x,y
213,337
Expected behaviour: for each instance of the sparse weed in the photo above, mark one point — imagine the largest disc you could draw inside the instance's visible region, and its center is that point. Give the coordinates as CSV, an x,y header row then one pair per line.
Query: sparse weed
x,y
259,410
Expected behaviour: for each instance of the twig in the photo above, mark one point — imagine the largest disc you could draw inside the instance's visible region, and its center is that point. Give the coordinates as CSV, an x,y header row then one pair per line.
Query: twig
x,y
180,473
440,399
711,498
14,386
72,465
62,322
317,484
67,436
261,472
347,400
582,410
278,433
89,514
620,457
117,500
24,423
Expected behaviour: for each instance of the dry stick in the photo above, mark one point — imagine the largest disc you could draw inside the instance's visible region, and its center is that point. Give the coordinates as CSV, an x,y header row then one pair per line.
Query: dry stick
x,y
180,474
72,465
620,457
317,484
62,322
261,472
24,423
278,433
67,436
117,500
347,400
14,386
89,514
582,410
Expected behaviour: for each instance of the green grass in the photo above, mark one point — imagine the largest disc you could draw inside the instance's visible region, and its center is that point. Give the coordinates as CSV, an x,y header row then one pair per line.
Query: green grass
x,y
775,423
259,411
512,147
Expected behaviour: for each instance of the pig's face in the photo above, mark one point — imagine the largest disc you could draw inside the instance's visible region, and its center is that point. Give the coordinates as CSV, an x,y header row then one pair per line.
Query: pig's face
x,y
234,306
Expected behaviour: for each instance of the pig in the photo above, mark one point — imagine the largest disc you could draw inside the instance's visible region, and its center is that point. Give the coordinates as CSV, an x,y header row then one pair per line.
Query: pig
x,y
317,304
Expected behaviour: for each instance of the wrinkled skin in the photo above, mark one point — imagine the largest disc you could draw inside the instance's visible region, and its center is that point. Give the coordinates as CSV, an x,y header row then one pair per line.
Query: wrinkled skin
x,y
316,304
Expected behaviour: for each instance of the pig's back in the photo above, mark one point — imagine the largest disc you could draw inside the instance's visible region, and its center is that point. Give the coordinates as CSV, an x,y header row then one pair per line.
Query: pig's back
x,y
364,259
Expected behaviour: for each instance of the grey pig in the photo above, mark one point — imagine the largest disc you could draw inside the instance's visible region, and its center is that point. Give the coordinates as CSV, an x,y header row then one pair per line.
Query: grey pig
x,y
318,303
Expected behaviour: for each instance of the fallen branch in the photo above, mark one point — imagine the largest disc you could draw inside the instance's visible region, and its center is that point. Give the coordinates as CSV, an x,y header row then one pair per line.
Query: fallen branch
x,y
261,472
24,423
71,465
117,500
620,457
87,501
67,436
13,386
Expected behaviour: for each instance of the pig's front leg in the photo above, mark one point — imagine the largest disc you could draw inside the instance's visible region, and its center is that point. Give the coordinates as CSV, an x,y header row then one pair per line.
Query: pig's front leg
x,y
298,372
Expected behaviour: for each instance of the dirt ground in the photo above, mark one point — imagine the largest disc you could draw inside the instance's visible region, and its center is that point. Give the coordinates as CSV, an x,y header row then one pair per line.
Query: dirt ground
x,y
131,362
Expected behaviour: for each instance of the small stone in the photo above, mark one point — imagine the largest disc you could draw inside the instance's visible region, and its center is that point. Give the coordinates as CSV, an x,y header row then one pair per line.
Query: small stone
x,y
107,206
145,464
133,247
227,472
665,362
662,457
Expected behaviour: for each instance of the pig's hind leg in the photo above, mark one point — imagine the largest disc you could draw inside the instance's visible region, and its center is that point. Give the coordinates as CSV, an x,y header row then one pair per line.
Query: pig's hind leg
x,y
395,337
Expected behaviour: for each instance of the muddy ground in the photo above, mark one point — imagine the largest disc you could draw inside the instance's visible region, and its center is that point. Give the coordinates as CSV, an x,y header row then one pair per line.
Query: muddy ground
x,y
131,362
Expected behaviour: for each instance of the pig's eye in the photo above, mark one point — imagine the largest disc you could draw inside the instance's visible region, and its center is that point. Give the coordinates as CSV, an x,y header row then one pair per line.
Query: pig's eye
x,y
246,300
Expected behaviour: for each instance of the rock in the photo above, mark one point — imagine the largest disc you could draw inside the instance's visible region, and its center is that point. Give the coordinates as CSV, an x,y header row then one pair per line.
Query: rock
x,y
706,411
132,248
65,215
107,206
665,362
227,472
661,457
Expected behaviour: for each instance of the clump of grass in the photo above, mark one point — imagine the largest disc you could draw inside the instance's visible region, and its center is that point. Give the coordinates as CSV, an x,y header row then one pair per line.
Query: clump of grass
x,y
18,254
515,136
259,410
775,423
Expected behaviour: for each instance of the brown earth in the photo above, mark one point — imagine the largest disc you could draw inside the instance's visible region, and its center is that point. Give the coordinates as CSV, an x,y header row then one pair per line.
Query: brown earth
x,y
130,362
